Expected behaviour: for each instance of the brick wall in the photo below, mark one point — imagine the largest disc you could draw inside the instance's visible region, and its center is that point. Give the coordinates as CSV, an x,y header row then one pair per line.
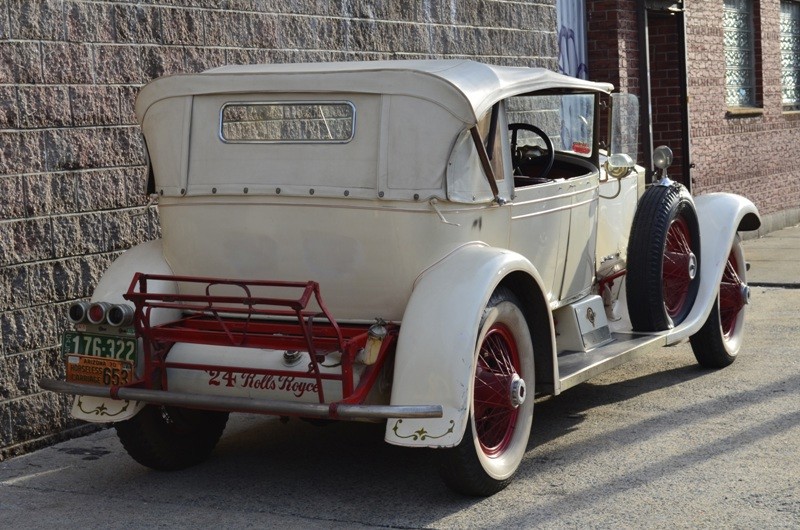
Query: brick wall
x,y
613,43
740,154
665,95
747,155
72,182
613,48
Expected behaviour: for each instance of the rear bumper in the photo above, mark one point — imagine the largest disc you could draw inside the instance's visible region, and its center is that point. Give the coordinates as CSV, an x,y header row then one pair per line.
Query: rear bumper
x,y
241,404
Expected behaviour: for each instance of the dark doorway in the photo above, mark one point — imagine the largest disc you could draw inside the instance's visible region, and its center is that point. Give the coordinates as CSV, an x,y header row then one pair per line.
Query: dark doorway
x,y
667,94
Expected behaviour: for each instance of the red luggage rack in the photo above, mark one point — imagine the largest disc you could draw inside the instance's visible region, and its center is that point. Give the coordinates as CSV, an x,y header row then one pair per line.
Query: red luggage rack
x,y
252,322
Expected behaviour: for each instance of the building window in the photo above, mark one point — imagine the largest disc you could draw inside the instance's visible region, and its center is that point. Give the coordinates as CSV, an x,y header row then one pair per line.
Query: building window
x,y
790,54
740,74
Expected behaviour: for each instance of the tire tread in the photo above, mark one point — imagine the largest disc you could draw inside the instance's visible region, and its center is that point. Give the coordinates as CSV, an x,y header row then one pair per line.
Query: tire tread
x,y
154,443
643,282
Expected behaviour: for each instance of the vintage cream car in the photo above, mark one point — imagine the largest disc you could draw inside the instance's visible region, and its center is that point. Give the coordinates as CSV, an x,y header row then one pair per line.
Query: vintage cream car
x,y
428,244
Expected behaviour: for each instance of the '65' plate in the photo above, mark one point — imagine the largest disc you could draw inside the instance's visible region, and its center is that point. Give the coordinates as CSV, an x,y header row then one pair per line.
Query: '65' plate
x,y
98,370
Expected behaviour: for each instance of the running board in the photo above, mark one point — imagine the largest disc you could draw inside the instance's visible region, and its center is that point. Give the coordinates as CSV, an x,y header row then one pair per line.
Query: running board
x,y
241,404
577,367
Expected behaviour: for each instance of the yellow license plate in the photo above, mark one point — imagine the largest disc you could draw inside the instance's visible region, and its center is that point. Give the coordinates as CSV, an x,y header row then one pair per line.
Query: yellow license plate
x,y
98,370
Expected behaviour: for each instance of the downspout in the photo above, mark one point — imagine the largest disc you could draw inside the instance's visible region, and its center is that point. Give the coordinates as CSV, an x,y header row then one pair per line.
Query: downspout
x,y
684,81
644,87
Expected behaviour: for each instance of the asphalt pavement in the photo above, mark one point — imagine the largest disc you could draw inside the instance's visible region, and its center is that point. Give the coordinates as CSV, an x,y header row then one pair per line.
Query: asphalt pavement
x,y
774,258
656,443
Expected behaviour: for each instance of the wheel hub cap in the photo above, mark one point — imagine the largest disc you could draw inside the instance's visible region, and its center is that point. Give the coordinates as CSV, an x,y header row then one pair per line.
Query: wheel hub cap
x,y
692,266
517,391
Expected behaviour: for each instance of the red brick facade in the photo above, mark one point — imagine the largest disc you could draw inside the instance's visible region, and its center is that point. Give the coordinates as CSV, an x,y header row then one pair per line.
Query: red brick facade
x,y
613,43
745,154
665,95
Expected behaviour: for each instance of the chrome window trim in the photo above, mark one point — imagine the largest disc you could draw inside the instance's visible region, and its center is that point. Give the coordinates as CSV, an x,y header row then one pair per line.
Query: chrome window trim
x,y
292,102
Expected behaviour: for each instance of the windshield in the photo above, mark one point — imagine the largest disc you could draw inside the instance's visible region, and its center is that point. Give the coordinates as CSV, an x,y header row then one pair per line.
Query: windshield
x,y
568,121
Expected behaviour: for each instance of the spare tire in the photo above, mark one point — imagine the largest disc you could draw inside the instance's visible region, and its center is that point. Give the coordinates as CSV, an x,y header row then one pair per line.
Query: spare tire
x,y
663,259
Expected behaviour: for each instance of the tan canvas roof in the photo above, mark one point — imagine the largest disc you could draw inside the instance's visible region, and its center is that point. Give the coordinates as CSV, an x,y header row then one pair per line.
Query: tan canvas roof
x,y
466,88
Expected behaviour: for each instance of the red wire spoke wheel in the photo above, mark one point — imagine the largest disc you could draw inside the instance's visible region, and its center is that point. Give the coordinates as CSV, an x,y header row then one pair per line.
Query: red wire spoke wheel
x,y
679,267
731,299
493,407
501,403
717,343
663,259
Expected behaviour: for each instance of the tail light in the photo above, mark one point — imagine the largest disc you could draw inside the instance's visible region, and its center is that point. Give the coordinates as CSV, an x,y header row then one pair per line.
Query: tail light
x,y
97,312
77,312
120,315
101,313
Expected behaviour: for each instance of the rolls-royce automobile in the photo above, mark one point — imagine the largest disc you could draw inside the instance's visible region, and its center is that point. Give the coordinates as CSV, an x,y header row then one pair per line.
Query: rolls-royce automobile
x,y
426,244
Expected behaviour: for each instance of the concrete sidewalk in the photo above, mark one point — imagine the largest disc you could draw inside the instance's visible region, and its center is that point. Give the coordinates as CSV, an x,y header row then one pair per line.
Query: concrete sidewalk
x,y
774,259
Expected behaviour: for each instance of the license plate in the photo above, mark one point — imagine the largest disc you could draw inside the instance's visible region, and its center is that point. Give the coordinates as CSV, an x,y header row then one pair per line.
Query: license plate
x,y
99,370
106,346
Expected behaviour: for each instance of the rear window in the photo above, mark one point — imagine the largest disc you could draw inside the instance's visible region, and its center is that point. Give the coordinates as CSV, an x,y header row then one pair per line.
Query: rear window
x,y
287,122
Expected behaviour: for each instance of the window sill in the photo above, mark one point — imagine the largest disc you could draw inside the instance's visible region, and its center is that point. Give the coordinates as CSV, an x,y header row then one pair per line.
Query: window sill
x,y
744,112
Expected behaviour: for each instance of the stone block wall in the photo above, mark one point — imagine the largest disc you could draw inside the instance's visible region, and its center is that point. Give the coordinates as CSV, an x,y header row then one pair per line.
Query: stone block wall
x,y
72,179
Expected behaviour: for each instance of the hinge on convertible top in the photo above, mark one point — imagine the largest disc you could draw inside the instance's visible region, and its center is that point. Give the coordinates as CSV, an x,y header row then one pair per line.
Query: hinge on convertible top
x,y
486,163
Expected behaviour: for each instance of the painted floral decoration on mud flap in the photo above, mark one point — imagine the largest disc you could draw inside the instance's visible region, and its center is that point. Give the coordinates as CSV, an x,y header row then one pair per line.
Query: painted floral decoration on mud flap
x,y
421,434
101,409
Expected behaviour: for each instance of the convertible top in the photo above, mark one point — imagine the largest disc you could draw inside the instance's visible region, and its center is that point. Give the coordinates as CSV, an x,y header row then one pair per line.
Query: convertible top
x,y
411,121
466,88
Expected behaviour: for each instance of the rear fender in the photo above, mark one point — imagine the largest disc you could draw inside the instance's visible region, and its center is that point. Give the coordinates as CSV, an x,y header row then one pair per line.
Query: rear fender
x,y
147,257
435,354
721,216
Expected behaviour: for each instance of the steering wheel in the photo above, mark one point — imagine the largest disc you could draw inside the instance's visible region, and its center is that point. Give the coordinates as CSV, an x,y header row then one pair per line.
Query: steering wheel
x,y
527,158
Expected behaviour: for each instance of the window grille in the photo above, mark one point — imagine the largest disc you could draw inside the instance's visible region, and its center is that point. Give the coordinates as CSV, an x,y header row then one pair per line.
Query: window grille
x,y
790,55
740,79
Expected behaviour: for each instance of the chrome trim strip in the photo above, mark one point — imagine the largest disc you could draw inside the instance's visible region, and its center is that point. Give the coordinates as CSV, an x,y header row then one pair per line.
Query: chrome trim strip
x,y
560,208
556,197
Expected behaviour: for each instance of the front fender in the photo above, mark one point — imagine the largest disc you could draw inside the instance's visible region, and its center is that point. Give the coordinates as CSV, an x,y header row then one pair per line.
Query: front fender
x,y
147,257
721,216
436,346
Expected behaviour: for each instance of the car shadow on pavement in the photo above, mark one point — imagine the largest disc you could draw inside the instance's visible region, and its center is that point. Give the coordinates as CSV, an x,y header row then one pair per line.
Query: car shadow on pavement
x,y
331,471
344,474
564,413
